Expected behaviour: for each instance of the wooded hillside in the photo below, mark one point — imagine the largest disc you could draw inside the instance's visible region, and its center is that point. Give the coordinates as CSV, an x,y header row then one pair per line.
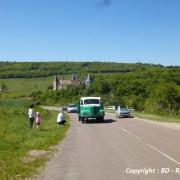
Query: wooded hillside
x,y
146,87
44,69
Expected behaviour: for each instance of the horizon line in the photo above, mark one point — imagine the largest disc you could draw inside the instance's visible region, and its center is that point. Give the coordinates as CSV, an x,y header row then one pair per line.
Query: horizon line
x,y
86,61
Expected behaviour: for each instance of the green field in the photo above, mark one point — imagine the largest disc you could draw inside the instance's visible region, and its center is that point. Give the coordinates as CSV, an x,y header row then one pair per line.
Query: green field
x,y
19,87
23,87
17,140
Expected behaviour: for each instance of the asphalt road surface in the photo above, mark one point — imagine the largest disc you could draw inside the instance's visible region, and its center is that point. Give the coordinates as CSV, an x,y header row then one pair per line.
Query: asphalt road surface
x,y
117,149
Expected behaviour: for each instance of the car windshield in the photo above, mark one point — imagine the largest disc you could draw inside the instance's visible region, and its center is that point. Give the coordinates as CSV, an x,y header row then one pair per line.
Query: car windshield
x,y
91,101
72,105
124,109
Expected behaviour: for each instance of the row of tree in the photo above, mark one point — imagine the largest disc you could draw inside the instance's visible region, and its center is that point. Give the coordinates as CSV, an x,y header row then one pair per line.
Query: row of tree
x,y
44,69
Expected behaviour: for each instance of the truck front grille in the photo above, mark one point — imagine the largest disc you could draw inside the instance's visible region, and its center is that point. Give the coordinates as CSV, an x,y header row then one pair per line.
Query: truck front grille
x,y
95,110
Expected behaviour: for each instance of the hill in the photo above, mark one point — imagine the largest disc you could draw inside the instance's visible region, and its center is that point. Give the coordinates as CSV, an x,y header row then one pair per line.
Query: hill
x,y
44,69
146,87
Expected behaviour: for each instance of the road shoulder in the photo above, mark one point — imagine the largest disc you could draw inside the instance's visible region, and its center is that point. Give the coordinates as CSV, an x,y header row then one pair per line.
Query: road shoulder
x,y
171,125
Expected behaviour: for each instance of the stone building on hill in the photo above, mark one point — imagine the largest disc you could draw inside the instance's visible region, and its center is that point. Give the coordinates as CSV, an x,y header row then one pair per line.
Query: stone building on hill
x,y
61,83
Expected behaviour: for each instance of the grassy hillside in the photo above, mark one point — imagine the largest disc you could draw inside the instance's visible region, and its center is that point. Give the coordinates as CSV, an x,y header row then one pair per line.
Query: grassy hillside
x,y
18,87
19,145
136,85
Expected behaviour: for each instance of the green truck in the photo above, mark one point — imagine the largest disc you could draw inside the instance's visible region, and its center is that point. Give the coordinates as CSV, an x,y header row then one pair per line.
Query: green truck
x,y
90,108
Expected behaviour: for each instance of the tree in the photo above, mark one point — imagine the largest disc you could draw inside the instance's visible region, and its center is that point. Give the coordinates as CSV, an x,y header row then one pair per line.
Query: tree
x,y
3,88
165,98
103,87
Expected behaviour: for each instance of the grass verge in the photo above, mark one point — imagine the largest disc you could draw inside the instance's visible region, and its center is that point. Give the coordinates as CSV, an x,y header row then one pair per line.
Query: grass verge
x,y
153,117
159,118
17,140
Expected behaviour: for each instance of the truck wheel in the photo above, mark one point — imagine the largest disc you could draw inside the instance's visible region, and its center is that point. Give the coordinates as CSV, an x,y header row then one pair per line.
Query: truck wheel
x,y
102,119
82,120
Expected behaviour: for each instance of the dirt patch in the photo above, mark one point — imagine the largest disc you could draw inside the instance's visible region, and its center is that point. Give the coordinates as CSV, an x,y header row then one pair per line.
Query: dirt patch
x,y
37,153
27,160
54,148
33,155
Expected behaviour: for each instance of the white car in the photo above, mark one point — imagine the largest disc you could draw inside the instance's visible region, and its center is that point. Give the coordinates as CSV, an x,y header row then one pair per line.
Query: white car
x,y
123,112
71,108
131,109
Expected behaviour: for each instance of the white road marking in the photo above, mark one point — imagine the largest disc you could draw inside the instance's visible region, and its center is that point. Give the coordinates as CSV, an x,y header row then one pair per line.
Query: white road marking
x,y
139,139
125,130
164,154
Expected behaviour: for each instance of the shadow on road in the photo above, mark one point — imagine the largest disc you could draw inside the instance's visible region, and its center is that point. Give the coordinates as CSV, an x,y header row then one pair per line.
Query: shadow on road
x,y
92,121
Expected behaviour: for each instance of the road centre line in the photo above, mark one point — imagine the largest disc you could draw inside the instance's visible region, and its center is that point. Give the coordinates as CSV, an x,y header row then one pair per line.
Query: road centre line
x,y
164,154
139,139
136,137
126,130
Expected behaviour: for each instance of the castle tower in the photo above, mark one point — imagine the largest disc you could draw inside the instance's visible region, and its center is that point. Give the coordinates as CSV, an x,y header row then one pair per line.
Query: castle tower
x,y
74,77
55,83
88,81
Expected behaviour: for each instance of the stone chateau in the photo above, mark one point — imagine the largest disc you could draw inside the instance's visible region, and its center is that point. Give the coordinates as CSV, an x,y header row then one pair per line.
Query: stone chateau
x,y
61,83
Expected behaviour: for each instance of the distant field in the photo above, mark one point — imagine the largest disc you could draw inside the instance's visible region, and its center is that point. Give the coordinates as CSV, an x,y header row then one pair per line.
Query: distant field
x,y
18,87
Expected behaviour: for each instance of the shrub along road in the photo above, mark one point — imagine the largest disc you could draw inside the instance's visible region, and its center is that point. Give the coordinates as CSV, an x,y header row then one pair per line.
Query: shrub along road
x,y
114,150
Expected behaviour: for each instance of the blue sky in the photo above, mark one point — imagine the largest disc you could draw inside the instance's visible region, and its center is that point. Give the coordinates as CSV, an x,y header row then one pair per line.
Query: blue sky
x,y
146,31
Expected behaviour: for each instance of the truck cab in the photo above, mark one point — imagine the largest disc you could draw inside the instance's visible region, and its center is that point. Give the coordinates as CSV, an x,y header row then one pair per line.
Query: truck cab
x,y
90,107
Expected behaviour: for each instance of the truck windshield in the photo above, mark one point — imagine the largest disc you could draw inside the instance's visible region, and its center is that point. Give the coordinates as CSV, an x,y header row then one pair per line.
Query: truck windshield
x,y
91,101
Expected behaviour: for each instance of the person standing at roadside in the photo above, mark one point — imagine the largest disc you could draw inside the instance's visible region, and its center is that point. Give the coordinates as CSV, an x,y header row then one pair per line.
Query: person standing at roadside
x,y
31,115
38,119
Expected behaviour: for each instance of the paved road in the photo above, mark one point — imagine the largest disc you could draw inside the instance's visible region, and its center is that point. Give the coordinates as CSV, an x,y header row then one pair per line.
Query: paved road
x,y
52,108
114,149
